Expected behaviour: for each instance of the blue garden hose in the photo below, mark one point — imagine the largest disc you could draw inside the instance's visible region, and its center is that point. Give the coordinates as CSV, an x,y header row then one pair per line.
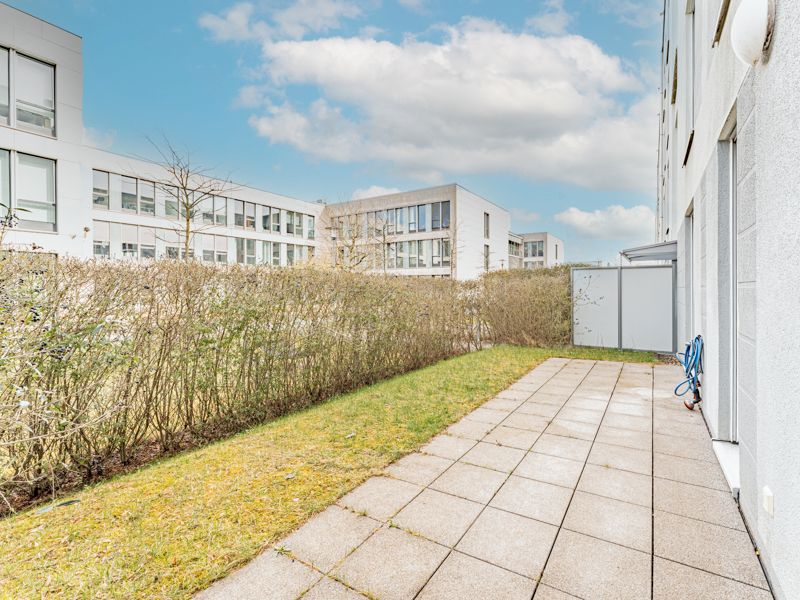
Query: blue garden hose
x,y
692,361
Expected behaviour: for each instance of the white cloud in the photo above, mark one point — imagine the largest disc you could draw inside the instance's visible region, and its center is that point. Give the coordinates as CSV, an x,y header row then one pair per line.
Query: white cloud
x,y
553,20
524,216
235,24
483,99
636,13
412,4
314,16
612,223
372,191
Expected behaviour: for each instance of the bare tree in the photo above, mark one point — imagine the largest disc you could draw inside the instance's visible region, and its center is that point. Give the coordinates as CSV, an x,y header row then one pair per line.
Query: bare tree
x,y
359,242
190,186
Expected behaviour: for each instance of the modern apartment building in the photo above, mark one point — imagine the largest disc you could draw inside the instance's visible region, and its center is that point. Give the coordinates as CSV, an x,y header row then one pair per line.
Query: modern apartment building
x,y
445,231
71,199
541,250
728,182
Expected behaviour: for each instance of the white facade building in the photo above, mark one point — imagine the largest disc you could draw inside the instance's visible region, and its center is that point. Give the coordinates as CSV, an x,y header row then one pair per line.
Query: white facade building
x,y
75,200
541,250
728,182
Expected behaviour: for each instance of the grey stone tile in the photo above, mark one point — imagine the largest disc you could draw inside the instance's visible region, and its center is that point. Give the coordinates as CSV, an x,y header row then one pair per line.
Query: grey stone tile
x,y
270,576
673,581
503,404
640,440
329,537
391,565
589,394
487,415
635,410
545,592
461,577
681,430
616,484
556,445
581,415
619,457
534,499
470,482
492,456
510,541
514,394
512,437
704,504
631,422
529,422
448,446
712,548
537,408
380,497
696,449
696,472
550,469
419,468
473,430
550,399
590,568
439,517
573,429
328,589
611,520
586,404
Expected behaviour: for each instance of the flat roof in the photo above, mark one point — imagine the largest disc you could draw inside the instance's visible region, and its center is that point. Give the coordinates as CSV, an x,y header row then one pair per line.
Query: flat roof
x,y
660,251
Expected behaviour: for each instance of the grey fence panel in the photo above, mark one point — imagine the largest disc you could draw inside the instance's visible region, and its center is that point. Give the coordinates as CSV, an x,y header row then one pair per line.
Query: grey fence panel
x,y
624,307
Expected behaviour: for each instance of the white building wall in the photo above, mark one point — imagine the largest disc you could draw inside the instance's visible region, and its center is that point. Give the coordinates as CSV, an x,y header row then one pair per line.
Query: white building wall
x,y
470,239
763,273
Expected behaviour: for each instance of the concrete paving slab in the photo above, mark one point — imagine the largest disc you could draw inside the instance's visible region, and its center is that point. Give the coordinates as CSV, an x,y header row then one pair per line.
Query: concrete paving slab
x,y
380,497
469,481
572,429
448,446
688,470
391,565
492,456
462,577
619,457
550,469
439,517
328,589
673,581
610,520
466,428
534,499
556,445
619,485
487,415
419,468
512,437
703,504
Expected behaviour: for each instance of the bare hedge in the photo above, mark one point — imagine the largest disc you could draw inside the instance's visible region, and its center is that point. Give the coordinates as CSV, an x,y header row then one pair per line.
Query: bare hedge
x,y
100,360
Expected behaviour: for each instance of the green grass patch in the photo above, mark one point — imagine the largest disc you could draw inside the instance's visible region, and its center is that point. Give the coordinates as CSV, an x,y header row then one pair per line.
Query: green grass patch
x,y
173,527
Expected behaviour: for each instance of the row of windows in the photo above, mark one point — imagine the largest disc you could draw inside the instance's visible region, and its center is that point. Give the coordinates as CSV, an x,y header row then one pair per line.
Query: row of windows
x,y
138,196
420,254
138,242
395,221
31,182
33,93
534,249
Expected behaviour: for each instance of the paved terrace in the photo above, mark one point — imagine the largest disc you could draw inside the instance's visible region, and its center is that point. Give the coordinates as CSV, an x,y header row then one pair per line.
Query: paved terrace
x,y
582,480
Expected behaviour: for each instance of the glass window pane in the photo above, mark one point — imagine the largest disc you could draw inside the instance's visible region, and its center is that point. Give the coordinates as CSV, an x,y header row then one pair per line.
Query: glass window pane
x,y
298,224
100,189
250,215
36,192
289,254
238,213
207,210
130,246
311,224
445,214
276,254
5,182
129,202
412,218
3,85
265,222
240,250
35,92
422,218
290,222
276,219
147,197
401,220
221,210
101,234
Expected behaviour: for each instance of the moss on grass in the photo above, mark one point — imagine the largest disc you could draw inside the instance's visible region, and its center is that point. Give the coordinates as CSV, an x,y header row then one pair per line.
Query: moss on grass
x,y
175,526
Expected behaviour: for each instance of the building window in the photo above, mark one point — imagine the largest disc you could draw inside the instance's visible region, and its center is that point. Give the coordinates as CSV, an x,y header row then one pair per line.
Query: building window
x,y
100,189
4,86
298,224
401,220
446,215
221,213
486,225
147,243
36,192
289,254
266,223
129,202
208,248
556,251
101,233
147,197
310,223
425,251
422,217
249,216
221,248
245,251
276,254
238,213
130,244
445,253
412,219
276,220
35,94
436,216
290,222
207,214
486,257
534,249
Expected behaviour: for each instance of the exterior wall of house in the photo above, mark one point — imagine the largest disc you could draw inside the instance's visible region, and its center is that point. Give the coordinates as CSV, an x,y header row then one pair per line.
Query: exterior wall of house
x,y
471,241
552,250
733,209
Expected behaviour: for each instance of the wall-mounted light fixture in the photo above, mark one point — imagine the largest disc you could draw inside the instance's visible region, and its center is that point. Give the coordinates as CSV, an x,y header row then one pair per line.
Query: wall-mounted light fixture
x,y
751,32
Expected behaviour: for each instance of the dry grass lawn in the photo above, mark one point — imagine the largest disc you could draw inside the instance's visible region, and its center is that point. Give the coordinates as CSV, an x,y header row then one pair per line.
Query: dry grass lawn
x,y
175,526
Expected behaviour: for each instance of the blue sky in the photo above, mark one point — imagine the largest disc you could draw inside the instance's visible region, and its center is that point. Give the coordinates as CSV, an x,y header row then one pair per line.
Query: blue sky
x,y
546,107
